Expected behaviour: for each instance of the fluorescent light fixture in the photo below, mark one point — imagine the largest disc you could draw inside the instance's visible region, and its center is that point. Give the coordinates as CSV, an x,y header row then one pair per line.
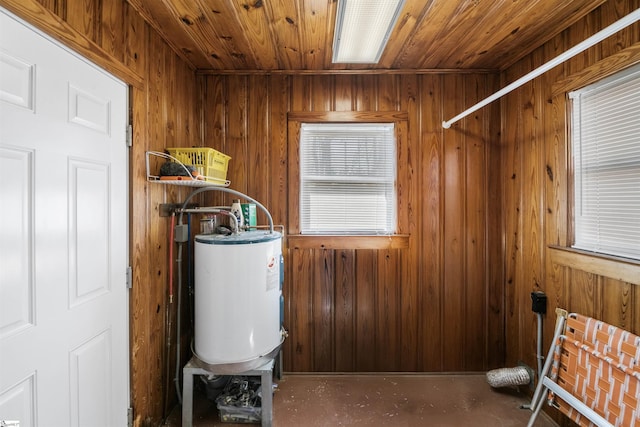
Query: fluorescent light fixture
x,y
363,28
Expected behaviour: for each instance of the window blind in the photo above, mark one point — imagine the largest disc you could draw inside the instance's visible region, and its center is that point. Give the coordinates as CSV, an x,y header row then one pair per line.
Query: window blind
x,y
606,151
347,178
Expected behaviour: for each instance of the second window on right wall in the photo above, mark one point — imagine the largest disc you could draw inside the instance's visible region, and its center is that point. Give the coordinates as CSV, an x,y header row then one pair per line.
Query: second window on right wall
x,y
606,155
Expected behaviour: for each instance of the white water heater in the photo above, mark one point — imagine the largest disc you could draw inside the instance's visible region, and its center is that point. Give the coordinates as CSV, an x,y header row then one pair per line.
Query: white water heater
x,y
238,290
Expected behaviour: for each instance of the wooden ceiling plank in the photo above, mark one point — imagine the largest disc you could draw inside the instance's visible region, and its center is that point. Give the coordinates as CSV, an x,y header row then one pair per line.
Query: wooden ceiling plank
x,y
423,43
297,35
491,23
481,35
253,18
316,40
540,28
171,31
517,24
200,19
413,13
229,36
285,25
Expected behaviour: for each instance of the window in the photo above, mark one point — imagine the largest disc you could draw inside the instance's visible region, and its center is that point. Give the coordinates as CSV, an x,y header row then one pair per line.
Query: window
x,y
606,153
347,178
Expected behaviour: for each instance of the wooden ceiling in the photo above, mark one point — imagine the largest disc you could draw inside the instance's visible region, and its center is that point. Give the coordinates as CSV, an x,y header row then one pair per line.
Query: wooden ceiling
x,y
297,35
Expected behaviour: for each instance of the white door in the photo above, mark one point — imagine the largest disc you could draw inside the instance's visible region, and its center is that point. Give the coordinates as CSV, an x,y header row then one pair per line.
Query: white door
x,y
63,236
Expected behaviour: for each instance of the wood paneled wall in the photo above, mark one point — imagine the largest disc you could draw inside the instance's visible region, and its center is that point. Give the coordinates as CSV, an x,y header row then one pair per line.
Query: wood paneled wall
x,y
164,113
480,202
536,175
436,305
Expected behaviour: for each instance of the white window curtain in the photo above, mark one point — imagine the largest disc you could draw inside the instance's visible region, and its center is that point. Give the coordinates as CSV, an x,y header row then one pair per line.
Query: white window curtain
x,y
606,152
347,178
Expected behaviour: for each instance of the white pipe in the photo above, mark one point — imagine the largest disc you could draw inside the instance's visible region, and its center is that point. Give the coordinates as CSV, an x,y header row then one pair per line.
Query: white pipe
x,y
539,346
560,321
596,38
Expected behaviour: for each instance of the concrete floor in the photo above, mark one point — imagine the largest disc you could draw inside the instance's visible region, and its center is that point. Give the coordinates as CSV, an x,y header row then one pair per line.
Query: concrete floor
x,y
304,400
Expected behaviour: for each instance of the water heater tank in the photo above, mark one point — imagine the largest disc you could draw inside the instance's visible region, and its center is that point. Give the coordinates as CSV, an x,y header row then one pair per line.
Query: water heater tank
x,y
237,296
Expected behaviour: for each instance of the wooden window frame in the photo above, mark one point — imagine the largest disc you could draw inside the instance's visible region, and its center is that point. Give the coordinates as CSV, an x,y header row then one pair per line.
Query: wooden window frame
x,y
610,266
295,239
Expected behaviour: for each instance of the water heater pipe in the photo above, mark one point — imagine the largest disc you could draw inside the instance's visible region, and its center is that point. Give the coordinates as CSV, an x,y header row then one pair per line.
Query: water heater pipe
x,y
171,242
221,211
230,191
596,38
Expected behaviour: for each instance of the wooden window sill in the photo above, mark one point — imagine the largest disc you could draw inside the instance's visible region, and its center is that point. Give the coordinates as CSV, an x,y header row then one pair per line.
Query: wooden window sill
x,y
618,268
395,241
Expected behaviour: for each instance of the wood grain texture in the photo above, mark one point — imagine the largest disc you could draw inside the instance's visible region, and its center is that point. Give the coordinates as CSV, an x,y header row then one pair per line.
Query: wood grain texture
x,y
410,302
55,25
494,242
345,322
298,35
300,344
323,308
110,32
454,266
347,309
475,216
554,210
511,169
366,340
402,310
430,206
164,112
599,70
162,20
396,241
82,16
537,172
616,268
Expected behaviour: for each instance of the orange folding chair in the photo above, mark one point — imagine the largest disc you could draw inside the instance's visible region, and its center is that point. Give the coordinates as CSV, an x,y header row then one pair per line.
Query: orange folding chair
x,y
591,374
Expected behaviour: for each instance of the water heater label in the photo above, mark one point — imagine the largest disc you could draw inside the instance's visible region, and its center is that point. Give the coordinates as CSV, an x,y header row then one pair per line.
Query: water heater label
x,y
273,272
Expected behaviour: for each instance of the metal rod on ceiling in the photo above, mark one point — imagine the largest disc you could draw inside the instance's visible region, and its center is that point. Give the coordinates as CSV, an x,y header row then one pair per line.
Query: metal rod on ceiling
x,y
596,38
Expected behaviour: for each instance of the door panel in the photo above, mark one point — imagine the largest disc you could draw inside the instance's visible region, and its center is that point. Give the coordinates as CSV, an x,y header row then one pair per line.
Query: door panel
x,y
90,382
18,402
63,241
88,230
17,295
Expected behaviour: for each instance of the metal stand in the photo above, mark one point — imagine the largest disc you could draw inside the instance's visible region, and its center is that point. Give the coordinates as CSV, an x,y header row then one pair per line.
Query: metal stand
x,y
265,372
